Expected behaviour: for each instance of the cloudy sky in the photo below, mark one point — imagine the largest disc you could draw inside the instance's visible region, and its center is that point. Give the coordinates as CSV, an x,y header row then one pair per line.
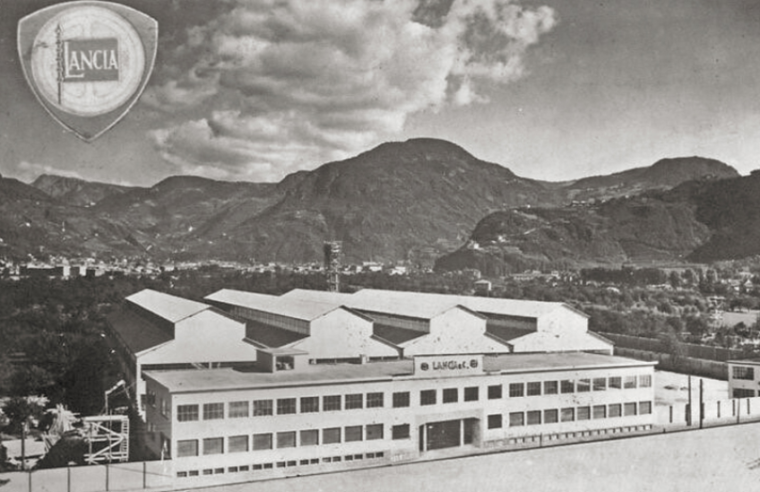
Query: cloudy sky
x,y
555,89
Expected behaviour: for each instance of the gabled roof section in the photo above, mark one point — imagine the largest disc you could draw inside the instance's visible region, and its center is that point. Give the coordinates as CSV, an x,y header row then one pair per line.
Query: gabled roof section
x,y
168,307
135,332
270,336
429,305
395,335
306,310
505,333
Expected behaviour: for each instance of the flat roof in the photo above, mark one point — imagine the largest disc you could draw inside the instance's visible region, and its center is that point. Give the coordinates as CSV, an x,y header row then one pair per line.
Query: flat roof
x,y
166,306
228,379
753,361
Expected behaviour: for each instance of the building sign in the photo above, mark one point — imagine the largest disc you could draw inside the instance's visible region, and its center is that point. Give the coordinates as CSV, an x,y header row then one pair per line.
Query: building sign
x,y
448,365
87,62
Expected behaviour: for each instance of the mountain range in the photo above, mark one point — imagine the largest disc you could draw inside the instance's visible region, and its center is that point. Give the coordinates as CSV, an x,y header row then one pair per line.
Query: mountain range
x,y
415,200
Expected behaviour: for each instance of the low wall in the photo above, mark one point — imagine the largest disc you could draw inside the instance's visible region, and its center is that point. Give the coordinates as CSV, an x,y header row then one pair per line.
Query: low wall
x,y
687,365
94,478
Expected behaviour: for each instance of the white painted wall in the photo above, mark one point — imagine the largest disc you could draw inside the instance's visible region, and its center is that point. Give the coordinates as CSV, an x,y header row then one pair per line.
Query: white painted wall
x,y
204,337
560,342
341,334
562,320
455,331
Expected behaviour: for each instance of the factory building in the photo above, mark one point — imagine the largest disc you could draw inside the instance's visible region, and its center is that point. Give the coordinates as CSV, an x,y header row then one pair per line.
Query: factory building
x,y
518,326
228,425
159,331
327,331
743,378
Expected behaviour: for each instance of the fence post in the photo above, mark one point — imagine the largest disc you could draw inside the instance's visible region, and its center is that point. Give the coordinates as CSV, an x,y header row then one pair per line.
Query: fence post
x,y
107,477
30,480
145,486
68,478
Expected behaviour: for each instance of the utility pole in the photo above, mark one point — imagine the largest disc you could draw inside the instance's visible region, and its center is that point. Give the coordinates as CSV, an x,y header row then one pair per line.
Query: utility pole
x,y
688,405
701,402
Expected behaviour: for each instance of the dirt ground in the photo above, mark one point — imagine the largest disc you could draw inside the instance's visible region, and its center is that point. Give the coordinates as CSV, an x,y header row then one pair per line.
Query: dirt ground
x,y
672,388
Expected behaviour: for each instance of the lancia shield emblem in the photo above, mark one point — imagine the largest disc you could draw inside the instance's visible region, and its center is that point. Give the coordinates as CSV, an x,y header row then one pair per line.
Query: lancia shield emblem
x,y
87,62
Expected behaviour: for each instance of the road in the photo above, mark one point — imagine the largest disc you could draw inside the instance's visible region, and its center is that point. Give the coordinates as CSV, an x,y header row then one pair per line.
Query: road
x,y
717,459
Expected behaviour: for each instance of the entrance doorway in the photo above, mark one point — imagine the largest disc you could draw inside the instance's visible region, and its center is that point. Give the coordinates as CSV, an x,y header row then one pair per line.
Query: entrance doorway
x,y
447,434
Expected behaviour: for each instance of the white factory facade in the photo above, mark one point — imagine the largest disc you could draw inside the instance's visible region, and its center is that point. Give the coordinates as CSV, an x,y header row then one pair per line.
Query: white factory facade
x,y
247,386
227,425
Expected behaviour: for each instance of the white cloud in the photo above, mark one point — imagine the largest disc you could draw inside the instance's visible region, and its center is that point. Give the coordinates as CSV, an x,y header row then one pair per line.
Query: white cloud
x,y
29,171
282,85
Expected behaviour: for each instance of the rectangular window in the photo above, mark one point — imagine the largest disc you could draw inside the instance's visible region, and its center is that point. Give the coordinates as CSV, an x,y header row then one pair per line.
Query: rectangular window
x,y
551,416
353,433
286,406
568,414
450,395
494,392
739,372
354,401
584,385
629,382
645,407
262,407
286,439
584,413
629,409
238,409
213,411
743,393
166,408
616,410
616,382
374,432
187,448
213,445
375,400
427,397
567,386
262,441
534,417
309,437
645,381
237,444
551,387
600,411
516,390
400,431
494,421
471,393
309,404
600,384
186,413
401,399
534,389
331,403
516,419
331,435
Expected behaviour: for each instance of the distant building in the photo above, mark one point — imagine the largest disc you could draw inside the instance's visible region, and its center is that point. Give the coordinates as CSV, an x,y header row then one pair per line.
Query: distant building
x,y
744,378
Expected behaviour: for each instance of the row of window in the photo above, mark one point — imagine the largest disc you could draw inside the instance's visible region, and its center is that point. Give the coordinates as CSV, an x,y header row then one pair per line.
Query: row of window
x,y
570,414
739,372
743,393
288,439
283,464
313,404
